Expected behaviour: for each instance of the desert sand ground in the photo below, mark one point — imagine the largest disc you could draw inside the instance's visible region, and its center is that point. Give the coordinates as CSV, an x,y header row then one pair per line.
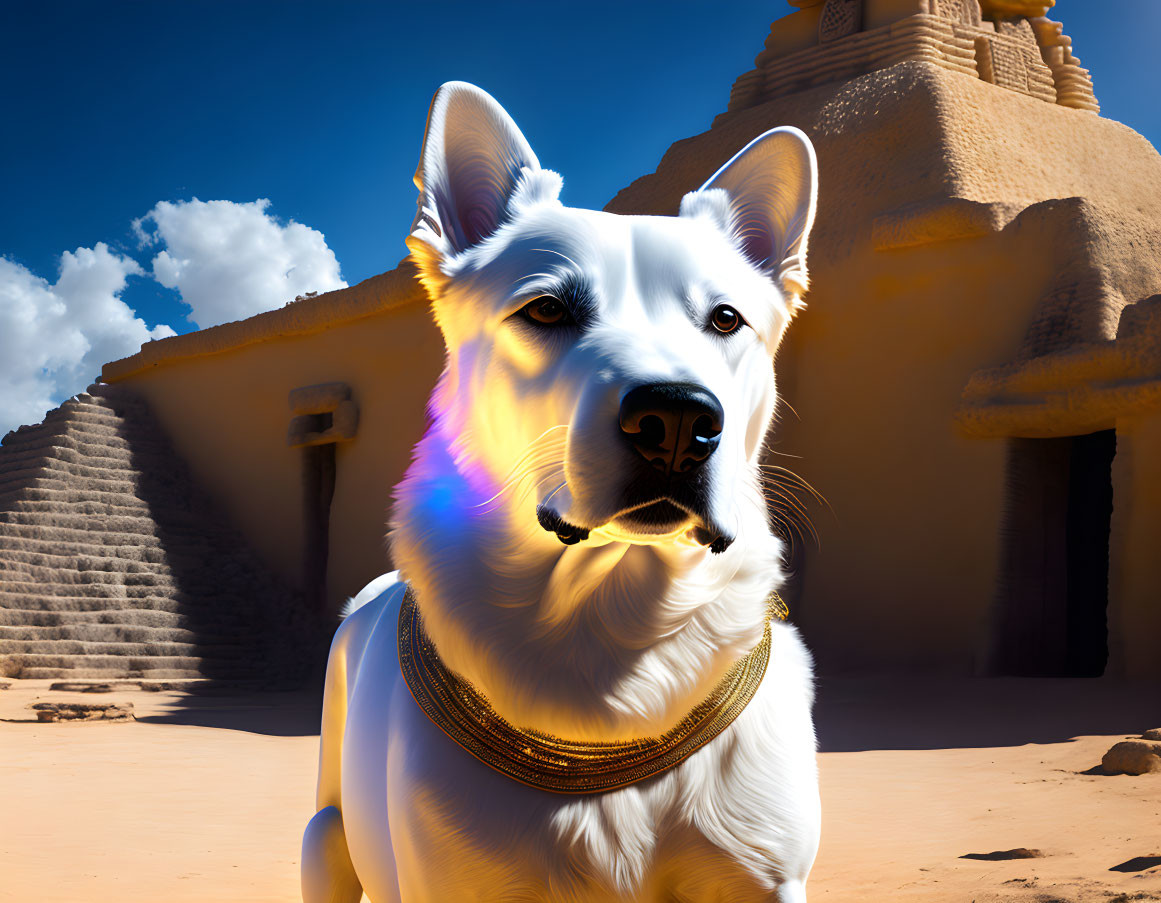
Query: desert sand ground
x,y
204,798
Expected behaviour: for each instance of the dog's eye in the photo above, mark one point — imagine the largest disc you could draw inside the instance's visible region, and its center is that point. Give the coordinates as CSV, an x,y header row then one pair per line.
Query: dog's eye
x,y
725,319
547,311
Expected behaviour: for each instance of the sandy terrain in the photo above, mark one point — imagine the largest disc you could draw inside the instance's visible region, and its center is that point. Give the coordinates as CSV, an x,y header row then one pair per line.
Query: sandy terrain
x,y
204,798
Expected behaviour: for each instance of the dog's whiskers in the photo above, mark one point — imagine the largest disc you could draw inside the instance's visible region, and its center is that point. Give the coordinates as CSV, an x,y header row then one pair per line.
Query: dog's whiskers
x,y
529,472
539,457
774,471
554,492
785,508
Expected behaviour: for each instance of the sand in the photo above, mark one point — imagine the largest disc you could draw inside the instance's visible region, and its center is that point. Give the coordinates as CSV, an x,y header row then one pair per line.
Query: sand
x,y
204,798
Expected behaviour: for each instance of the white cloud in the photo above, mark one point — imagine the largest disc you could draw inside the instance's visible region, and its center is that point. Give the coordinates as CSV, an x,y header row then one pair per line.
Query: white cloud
x,y
230,261
54,338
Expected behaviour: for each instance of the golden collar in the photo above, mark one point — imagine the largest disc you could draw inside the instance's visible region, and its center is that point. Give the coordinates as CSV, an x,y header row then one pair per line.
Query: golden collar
x,y
554,763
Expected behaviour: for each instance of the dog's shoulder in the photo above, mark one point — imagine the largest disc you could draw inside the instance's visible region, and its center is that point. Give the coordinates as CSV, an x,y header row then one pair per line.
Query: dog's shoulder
x,y
378,600
377,603
372,592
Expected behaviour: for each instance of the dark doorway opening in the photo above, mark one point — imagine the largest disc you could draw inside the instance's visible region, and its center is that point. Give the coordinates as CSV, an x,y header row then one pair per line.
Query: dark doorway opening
x,y
1050,616
318,478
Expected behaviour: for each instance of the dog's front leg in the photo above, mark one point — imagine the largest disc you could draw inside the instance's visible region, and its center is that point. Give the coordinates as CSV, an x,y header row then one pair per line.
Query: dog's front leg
x,y
327,873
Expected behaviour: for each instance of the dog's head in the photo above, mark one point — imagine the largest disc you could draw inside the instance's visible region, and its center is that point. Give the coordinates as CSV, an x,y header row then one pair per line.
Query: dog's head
x,y
617,369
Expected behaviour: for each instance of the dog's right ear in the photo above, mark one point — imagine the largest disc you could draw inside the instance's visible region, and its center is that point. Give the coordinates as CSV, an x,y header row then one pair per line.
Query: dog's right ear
x,y
764,197
475,169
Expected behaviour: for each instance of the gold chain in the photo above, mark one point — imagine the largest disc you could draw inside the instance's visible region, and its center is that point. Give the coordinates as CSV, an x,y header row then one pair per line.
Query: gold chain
x,y
554,763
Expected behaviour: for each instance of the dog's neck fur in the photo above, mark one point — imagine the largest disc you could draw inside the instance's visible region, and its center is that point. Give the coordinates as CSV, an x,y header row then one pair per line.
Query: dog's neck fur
x,y
598,641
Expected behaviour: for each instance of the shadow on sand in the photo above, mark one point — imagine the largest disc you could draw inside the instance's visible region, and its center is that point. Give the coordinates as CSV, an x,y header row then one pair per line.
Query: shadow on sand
x,y
277,714
853,714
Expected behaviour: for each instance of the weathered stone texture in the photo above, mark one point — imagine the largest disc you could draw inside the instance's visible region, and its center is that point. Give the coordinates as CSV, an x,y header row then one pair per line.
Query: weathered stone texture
x,y
1133,757
842,39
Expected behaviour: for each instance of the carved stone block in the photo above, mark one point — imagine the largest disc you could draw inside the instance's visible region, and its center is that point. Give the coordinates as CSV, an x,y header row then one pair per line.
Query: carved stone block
x,y
323,414
1010,67
840,18
966,12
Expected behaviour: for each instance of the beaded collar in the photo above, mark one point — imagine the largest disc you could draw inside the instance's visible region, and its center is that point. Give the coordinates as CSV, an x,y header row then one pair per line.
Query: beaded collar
x,y
554,763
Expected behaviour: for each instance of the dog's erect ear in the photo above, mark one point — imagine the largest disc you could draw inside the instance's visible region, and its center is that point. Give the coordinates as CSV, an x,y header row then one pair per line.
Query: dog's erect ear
x,y
475,166
770,187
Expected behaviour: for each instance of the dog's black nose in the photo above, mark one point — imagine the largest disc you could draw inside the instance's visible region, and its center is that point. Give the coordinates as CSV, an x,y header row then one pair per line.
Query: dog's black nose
x,y
674,426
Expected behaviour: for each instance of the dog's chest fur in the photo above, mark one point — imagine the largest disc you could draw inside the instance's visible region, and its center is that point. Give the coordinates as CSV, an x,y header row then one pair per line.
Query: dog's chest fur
x,y
726,824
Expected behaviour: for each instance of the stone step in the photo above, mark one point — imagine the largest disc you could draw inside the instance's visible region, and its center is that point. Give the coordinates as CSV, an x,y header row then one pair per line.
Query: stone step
x,y
211,570
36,497
63,647
116,633
229,620
124,484
61,460
124,559
55,582
142,617
93,438
124,597
134,548
77,412
82,524
94,427
105,559
53,472
52,425
89,407
160,580
92,598
105,454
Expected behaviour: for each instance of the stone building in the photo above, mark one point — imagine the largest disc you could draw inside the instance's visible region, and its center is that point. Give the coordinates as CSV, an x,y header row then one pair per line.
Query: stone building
x,y
975,382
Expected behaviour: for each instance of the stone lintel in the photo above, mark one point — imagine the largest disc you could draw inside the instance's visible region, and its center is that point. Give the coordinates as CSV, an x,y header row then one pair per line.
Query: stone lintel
x,y
323,414
1072,392
320,399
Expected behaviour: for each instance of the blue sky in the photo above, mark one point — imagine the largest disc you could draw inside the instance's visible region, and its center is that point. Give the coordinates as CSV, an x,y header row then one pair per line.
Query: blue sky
x,y
319,108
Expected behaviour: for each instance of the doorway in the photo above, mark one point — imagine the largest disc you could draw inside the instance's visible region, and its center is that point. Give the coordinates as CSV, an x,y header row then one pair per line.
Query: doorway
x,y
1050,613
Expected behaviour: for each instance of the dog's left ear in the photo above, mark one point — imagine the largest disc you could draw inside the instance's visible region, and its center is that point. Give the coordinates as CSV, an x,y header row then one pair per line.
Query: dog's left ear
x,y
475,169
764,198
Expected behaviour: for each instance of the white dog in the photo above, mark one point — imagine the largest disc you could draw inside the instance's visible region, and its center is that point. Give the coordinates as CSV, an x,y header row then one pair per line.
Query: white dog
x,y
586,550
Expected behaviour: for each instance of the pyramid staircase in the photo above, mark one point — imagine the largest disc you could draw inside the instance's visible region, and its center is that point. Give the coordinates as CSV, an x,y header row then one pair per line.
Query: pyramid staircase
x,y
114,563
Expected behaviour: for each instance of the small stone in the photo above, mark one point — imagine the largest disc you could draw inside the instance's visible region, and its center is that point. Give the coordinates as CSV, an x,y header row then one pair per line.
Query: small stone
x,y
1003,855
76,711
1133,757
81,687
1152,734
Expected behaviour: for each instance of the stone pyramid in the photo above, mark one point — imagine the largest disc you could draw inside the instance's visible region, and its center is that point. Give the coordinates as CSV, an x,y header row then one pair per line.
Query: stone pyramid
x,y
115,564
